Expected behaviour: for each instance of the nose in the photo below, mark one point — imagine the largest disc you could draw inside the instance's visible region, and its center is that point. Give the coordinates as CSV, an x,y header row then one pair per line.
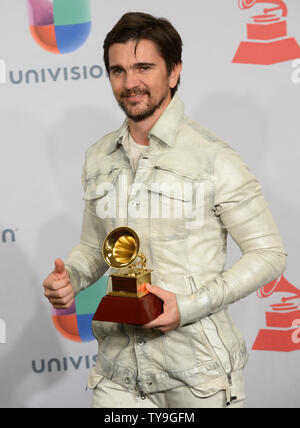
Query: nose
x,y
131,80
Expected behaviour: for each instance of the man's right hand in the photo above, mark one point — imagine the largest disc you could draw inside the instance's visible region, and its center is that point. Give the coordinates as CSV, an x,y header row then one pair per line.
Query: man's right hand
x,y
58,288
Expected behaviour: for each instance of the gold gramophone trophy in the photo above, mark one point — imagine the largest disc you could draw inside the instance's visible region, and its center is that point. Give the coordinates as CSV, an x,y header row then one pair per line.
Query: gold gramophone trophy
x,y
128,301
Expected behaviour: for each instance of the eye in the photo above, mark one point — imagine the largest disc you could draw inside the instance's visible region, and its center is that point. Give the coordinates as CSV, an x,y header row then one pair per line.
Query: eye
x,y
144,67
116,71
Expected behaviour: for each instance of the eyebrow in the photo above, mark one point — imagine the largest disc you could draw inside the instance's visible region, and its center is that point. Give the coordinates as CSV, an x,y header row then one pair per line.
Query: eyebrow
x,y
136,65
143,64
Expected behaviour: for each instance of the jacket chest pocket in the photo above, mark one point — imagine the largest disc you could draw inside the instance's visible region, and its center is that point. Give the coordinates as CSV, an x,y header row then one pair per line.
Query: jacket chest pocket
x,y
101,194
175,203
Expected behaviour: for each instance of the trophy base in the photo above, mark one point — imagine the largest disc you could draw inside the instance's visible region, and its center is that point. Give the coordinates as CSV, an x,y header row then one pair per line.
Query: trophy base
x,y
129,310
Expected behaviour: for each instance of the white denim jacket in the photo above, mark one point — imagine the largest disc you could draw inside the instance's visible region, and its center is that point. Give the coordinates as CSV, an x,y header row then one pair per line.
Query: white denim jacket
x,y
212,194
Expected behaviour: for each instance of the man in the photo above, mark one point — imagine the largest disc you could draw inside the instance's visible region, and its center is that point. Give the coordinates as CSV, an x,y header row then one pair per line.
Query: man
x,y
192,355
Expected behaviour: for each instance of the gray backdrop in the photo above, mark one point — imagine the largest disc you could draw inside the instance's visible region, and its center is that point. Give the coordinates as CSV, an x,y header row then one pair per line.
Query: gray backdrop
x,y
47,125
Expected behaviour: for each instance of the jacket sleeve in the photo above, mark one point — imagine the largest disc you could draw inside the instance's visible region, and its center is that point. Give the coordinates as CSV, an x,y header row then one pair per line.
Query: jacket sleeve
x,y
244,213
85,263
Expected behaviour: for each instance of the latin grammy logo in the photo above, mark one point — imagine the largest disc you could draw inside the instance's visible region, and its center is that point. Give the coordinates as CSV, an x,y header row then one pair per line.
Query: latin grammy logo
x,y
282,321
268,42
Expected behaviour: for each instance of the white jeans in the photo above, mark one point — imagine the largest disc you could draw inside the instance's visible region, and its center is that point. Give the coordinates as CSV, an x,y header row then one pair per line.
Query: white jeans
x,y
108,394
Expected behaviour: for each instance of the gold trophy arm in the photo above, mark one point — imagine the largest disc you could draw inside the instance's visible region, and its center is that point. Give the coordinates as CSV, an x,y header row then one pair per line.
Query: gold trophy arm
x,y
139,264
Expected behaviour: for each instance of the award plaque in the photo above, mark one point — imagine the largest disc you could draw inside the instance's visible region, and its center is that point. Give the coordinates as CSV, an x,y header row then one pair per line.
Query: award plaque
x,y
128,301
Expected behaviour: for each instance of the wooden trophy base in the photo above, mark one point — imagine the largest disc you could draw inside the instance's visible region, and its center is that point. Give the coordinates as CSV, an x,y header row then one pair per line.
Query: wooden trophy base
x,y
129,310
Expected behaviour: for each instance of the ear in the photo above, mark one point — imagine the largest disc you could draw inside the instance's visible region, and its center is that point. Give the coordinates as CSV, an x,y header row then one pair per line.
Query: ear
x,y
174,75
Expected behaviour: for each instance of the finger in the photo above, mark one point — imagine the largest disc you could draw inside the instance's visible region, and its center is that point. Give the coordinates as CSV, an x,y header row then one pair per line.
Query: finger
x,y
55,284
157,322
164,329
63,303
59,266
159,292
58,294
61,296
62,299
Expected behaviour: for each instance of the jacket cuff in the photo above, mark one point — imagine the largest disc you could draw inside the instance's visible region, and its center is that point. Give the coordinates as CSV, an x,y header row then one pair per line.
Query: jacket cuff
x,y
74,279
193,307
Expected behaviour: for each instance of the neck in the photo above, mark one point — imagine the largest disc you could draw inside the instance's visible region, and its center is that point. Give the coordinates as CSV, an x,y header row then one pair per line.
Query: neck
x,y
139,130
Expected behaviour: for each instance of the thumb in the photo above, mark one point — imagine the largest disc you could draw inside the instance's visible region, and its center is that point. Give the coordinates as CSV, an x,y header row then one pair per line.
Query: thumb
x,y
59,266
159,292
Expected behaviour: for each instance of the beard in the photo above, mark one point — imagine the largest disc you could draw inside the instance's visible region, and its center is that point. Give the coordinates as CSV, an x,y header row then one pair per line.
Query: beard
x,y
144,112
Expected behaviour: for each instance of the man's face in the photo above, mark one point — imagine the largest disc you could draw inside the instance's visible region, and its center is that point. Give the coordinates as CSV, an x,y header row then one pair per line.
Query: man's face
x,y
139,79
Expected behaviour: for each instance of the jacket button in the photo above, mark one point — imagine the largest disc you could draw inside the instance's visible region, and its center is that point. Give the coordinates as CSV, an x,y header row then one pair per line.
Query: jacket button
x,y
140,342
127,380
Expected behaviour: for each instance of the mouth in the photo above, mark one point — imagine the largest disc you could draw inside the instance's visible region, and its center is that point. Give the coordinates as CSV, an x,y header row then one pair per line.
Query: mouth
x,y
134,97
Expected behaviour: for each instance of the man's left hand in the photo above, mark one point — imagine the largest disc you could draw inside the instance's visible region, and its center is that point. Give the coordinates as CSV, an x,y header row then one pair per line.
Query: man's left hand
x,y
170,318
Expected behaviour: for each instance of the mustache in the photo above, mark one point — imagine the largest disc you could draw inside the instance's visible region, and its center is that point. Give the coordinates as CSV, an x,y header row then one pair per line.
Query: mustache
x,y
128,93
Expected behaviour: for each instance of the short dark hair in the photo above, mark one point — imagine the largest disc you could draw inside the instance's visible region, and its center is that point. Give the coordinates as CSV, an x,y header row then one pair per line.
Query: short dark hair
x,y
138,26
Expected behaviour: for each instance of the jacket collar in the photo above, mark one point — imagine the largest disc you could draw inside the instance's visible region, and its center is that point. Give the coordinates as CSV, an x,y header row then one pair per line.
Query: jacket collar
x,y
164,129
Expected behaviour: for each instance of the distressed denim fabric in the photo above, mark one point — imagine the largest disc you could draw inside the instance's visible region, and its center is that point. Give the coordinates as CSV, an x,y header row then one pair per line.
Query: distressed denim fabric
x,y
189,191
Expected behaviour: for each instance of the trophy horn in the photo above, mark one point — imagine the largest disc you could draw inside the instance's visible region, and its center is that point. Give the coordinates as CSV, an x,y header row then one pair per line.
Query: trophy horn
x,y
121,247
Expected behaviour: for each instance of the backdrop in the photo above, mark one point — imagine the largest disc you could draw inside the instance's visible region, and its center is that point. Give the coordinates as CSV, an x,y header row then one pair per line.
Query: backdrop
x,y
241,79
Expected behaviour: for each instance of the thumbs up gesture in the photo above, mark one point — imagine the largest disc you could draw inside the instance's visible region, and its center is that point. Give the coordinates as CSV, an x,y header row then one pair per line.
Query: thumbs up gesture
x,y
58,288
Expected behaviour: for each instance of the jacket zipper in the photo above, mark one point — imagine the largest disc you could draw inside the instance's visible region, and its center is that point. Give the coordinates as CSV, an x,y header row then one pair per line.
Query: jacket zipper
x,y
226,350
230,397
175,172
142,393
194,289
138,379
